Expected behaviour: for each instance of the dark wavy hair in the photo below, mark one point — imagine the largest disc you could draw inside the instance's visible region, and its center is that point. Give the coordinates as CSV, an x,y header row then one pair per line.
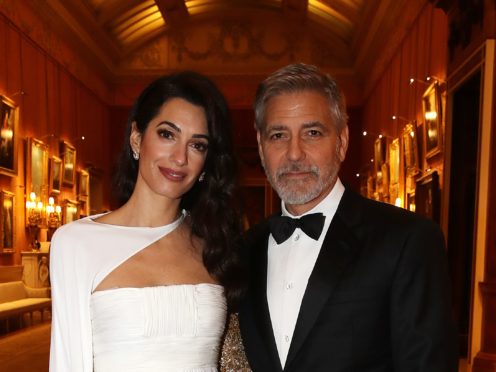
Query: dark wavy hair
x,y
212,206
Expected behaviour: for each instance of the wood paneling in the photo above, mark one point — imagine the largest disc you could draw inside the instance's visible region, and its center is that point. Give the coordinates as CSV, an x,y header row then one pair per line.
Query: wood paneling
x,y
422,53
52,105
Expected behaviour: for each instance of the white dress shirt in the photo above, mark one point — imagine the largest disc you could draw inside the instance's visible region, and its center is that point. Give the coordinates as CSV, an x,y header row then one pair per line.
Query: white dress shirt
x,y
288,270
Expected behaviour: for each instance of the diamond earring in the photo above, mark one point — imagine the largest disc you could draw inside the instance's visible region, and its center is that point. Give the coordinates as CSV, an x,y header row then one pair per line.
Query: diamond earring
x,y
202,177
135,155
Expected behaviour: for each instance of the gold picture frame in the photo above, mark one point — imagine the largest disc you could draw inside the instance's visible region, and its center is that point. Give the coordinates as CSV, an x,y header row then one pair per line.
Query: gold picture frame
x,y
394,170
431,104
7,221
55,179
68,155
70,211
9,114
84,184
410,156
37,168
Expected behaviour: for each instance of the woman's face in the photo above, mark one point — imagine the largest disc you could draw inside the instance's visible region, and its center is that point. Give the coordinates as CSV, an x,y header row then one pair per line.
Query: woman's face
x,y
172,149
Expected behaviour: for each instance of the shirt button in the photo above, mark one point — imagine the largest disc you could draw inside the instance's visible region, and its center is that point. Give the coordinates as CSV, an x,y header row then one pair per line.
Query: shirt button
x,y
289,286
297,237
286,338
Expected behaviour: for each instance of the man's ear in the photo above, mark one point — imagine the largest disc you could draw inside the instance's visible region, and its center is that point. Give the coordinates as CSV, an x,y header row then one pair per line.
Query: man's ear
x,y
260,152
343,138
135,138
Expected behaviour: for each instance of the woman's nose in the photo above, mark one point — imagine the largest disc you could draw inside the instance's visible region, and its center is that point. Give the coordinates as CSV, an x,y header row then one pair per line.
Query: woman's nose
x,y
179,155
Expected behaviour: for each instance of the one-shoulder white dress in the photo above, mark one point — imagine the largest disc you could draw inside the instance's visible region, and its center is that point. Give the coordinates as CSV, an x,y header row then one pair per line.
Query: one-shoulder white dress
x,y
164,328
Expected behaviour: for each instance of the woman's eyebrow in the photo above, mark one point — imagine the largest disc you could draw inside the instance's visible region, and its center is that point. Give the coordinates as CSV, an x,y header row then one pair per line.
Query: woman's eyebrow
x,y
177,129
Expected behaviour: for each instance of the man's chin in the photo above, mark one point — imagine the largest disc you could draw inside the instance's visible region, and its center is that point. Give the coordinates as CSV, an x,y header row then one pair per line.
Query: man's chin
x,y
302,196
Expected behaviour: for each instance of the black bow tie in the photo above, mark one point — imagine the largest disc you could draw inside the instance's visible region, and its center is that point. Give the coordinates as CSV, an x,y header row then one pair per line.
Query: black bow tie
x,y
282,227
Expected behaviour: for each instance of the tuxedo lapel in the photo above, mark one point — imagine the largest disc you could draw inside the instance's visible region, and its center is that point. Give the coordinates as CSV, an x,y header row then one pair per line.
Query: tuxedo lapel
x,y
338,249
261,307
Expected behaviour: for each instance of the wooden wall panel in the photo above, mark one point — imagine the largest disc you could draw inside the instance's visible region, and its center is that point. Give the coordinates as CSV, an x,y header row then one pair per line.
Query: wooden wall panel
x,y
53,97
12,59
54,106
3,61
33,107
422,52
67,105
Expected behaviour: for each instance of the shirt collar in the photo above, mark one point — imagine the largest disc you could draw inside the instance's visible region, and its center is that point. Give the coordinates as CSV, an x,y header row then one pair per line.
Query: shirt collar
x,y
327,206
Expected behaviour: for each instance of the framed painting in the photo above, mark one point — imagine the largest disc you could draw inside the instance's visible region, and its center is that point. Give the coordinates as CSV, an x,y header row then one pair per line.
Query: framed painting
x,y
70,211
427,196
55,179
410,201
37,168
394,169
380,153
431,104
8,136
410,149
68,154
84,184
7,219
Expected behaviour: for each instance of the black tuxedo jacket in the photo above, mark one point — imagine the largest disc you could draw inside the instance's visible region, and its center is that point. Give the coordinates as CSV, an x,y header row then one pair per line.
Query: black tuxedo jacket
x,y
377,299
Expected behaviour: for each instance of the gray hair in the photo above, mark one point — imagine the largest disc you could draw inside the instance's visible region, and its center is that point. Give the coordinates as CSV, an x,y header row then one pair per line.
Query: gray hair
x,y
299,77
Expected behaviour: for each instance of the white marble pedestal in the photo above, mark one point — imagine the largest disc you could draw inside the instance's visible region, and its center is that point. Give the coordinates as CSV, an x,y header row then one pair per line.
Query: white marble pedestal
x,y
36,269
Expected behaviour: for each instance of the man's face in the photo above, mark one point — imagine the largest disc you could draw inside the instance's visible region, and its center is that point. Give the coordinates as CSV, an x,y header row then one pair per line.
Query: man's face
x,y
301,149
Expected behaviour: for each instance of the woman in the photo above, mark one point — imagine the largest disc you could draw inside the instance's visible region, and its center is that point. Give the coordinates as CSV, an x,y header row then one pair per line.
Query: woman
x,y
145,287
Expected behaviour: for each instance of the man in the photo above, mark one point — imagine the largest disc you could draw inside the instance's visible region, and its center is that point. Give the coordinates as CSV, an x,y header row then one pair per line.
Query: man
x,y
351,284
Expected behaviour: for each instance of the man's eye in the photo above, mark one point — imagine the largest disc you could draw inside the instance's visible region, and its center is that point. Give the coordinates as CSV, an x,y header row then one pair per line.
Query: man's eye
x,y
276,136
314,133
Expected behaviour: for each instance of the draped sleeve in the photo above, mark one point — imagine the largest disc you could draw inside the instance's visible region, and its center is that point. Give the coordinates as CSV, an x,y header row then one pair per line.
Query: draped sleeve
x,y
82,254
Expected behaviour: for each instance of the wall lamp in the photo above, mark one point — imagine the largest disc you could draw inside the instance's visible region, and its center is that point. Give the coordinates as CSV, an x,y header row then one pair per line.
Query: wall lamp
x,y
427,81
40,215
367,133
397,117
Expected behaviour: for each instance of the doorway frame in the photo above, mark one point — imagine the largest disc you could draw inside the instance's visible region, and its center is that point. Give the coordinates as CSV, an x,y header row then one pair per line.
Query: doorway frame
x,y
482,59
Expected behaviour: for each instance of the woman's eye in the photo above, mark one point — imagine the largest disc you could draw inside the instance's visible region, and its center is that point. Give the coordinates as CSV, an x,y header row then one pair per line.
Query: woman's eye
x,y
200,146
165,133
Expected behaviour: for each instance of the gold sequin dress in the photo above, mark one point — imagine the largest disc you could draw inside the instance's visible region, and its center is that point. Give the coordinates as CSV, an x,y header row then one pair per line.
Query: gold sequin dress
x,y
233,358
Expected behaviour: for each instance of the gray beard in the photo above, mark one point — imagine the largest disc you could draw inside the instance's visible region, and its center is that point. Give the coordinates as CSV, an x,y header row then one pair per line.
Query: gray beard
x,y
296,192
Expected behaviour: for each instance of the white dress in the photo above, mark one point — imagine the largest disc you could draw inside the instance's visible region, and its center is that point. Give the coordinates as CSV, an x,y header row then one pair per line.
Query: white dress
x,y
165,328
82,254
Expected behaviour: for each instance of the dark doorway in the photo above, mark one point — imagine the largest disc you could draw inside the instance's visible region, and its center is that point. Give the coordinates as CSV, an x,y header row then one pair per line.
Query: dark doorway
x,y
463,181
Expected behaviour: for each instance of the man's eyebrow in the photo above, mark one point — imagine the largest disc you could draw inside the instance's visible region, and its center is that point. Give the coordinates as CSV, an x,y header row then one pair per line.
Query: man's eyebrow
x,y
313,124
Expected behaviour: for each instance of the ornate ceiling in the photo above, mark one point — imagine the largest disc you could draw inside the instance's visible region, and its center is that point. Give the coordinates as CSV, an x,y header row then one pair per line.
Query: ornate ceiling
x,y
126,38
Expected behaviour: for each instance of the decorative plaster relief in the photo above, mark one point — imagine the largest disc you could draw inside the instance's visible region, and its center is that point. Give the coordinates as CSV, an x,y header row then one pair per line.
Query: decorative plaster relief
x,y
231,44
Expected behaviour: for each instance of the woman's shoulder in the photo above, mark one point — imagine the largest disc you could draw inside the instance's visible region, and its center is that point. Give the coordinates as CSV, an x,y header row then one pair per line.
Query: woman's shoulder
x,y
75,231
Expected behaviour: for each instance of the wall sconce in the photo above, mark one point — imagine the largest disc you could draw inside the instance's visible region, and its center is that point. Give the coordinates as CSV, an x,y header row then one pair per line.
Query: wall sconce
x,y
427,81
366,133
53,214
34,219
397,117
39,215
34,210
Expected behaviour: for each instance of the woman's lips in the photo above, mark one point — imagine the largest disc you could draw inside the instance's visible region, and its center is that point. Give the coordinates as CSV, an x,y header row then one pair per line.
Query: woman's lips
x,y
172,175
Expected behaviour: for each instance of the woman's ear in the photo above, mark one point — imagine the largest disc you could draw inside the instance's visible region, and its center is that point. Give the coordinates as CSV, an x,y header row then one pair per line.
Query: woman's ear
x,y
135,138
